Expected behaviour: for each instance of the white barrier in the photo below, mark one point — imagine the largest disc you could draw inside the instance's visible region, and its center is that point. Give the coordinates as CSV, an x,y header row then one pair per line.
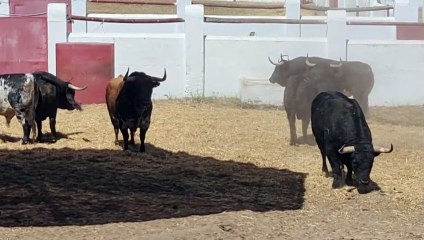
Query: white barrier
x,y
398,70
229,66
4,8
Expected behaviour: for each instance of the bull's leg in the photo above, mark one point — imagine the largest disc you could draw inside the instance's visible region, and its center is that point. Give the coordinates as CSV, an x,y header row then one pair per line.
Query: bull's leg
x,y
349,180
52,122
143,132
40,131
336,166
362,99
116,130
115,124
132,132
124,132
292,123
324,163
27,130
305,124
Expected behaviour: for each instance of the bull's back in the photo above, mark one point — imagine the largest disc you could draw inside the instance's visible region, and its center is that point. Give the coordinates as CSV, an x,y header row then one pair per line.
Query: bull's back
x,y
326,109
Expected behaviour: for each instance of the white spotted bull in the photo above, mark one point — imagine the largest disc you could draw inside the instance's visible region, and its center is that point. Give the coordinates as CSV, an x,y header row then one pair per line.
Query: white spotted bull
x,y
18,93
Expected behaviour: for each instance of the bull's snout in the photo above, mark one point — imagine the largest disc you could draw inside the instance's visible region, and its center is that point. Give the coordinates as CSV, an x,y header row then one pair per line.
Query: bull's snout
x,y
364,186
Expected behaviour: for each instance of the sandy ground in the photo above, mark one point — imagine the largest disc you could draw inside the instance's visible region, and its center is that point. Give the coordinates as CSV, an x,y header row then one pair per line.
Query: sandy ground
x,y
213,170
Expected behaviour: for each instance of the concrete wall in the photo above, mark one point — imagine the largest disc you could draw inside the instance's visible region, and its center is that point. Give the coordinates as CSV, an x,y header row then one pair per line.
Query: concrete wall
x,y
229,60
398,70
147,53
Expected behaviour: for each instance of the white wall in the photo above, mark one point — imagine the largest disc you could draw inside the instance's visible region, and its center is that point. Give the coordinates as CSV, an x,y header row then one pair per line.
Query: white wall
x,y
229,59
398,68
147,53
4,8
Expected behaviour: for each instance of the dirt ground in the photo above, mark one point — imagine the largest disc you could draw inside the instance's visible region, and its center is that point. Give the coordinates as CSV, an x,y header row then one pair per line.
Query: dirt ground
x,y
214,169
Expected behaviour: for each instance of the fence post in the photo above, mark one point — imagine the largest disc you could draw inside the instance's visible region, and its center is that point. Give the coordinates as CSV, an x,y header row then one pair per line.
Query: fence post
x,y
336,34
194,50
181,6
293,12
406,10
79,8
56,31
4,8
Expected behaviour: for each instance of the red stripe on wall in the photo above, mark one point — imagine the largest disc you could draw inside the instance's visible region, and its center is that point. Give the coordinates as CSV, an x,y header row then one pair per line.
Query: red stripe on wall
x,y
86,64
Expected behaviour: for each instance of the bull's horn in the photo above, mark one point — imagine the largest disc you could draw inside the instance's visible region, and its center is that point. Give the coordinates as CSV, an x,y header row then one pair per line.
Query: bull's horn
x,y
383,150
309,63
126,74
282,56
337,65
161,79
346,149
76,88
273,63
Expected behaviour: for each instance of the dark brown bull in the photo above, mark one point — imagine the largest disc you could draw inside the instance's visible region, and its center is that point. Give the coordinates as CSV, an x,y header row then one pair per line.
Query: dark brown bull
x,y
353,76
300,88
298,93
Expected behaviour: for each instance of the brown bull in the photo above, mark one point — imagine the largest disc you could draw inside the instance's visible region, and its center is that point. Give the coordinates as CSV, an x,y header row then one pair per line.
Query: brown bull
x,y
112,91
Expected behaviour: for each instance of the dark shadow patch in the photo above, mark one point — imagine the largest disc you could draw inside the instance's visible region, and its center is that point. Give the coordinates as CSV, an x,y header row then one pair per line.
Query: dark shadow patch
x,y
47,137
7,138
43,187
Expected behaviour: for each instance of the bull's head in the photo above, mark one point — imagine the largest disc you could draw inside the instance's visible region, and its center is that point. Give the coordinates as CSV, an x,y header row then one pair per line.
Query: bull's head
x,y
362,157
281,71
323,76
71,104
140,85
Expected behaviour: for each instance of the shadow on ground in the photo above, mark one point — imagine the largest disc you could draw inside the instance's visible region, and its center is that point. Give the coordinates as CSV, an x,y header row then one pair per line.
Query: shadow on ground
x,y
44,187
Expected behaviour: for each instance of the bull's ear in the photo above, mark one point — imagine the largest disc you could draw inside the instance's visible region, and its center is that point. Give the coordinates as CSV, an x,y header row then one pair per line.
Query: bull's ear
x,y
126,75
156,84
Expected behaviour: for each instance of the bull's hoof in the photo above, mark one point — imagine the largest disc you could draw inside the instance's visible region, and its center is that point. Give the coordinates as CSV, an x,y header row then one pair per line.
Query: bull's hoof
x,y
25,142
53,140
349,182
326,174
116,142
337,182
131,142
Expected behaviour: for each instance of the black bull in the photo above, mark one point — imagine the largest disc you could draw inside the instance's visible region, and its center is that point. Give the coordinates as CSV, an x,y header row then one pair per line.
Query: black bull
x,y
303,78
54,94
134,104
343,136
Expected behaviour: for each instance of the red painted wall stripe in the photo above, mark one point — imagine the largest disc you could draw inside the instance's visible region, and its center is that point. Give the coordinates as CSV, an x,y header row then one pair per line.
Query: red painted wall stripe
x,y
23,44
86,64
410,32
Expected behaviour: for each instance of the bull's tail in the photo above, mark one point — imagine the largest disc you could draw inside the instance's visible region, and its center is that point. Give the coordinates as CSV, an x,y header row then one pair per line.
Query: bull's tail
x,y
35,96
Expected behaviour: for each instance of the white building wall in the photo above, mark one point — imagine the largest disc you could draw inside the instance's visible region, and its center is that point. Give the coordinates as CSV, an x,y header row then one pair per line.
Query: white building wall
x,y
147,53
398,70
228,60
